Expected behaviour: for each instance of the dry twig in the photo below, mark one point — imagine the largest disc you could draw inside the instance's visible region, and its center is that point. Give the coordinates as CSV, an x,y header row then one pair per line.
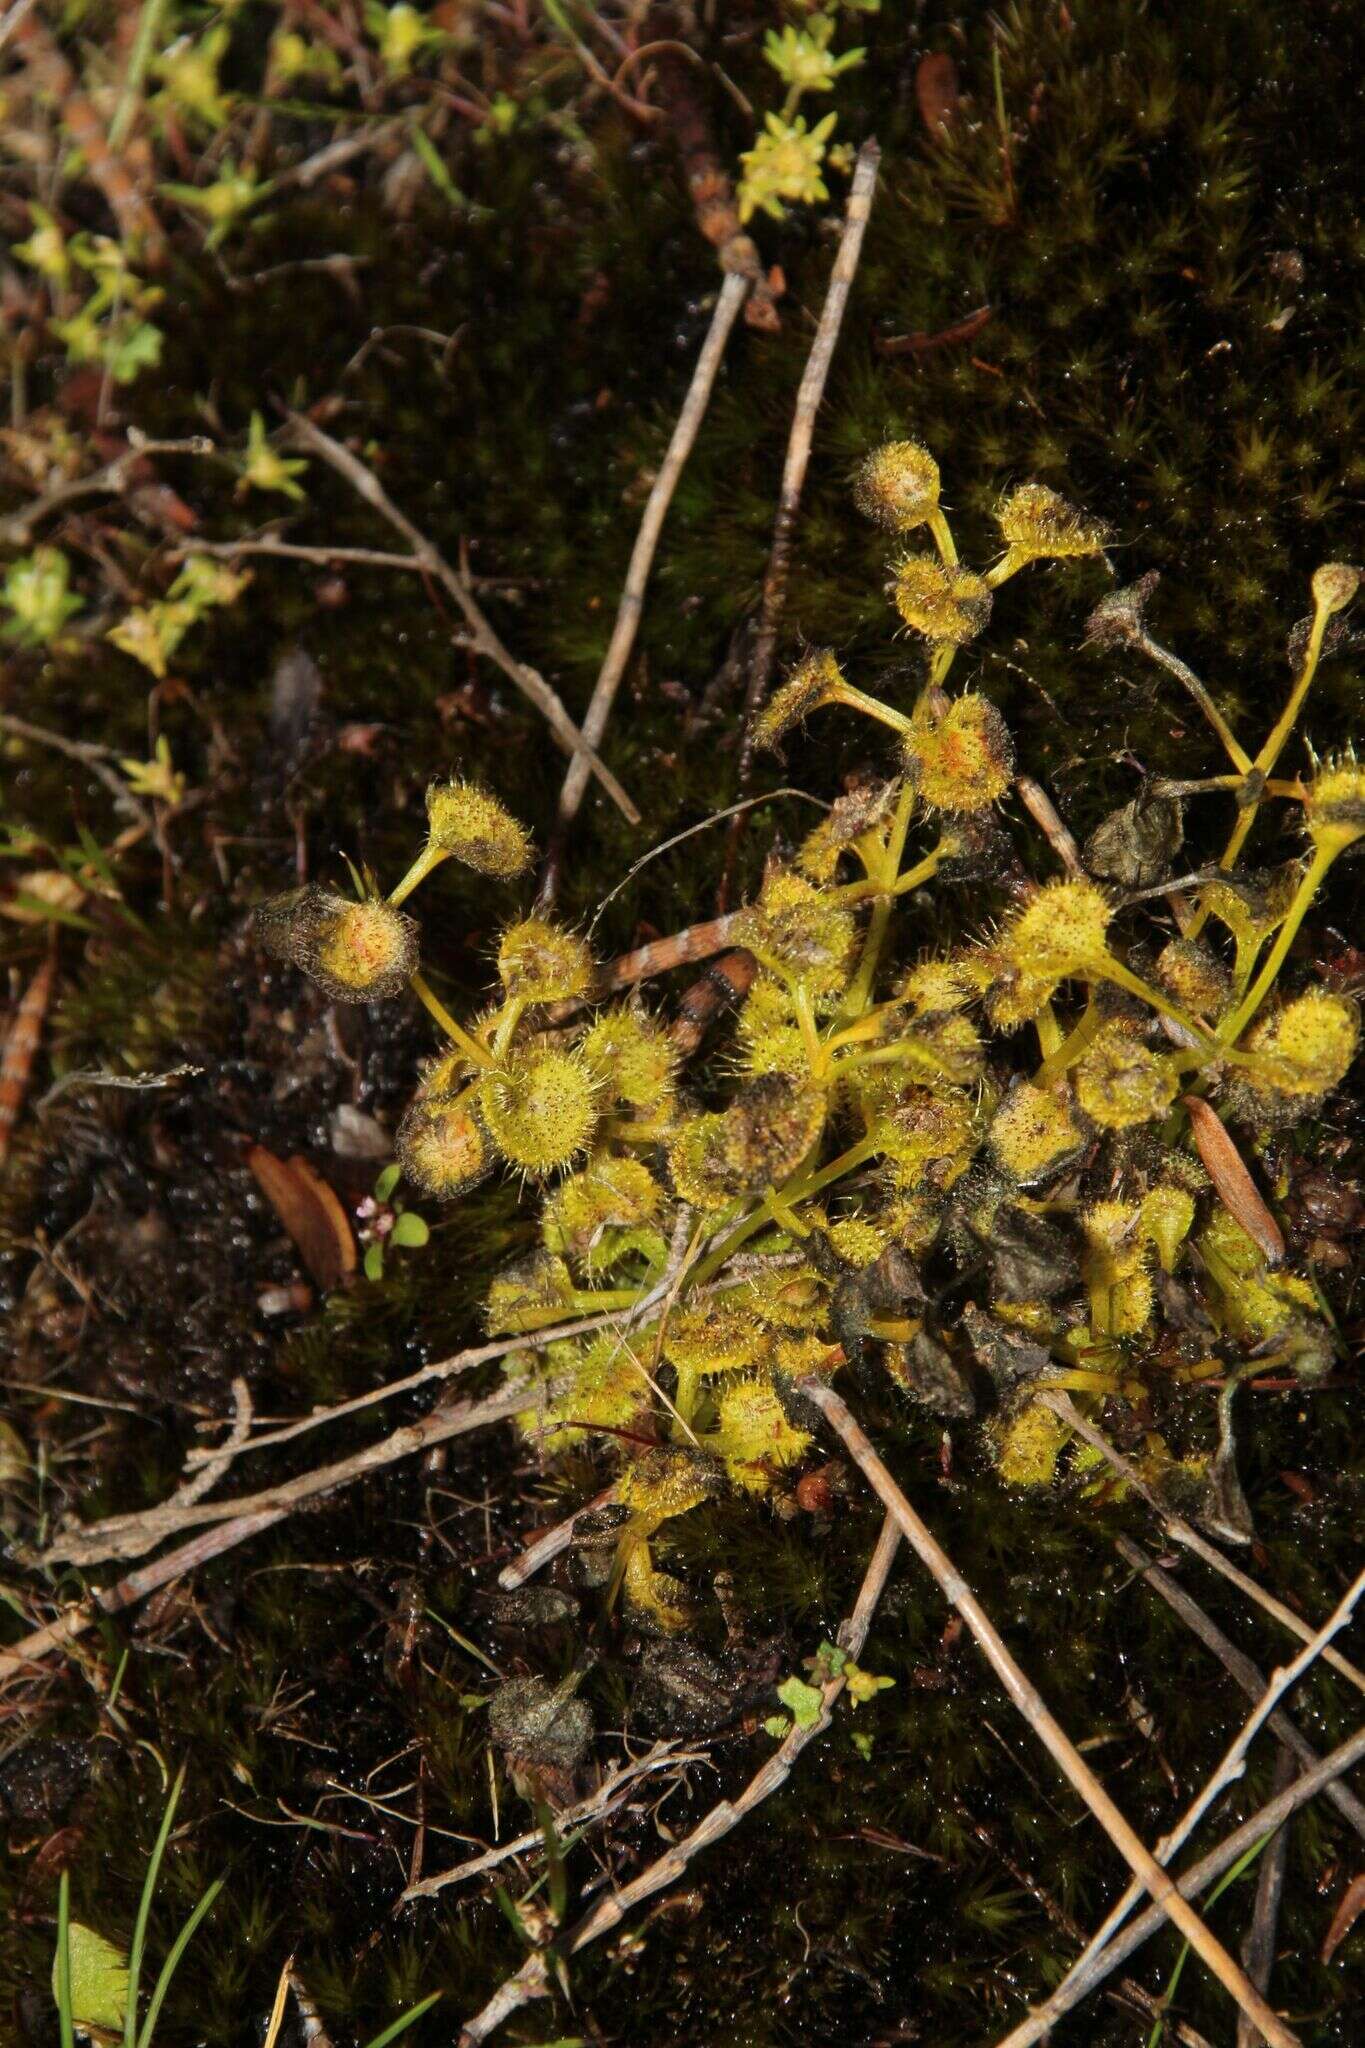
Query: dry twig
x,y
1025,1696
21,1659
217,1462
17,527
629,611
439,1369
1184,1533
55,77
1231,1767
599,1805
1191,1882
1048,819
808,399
532,1980
133,1535
549,1543
429,558
1241,1667
21,1048
705,170
1258,1947
90,754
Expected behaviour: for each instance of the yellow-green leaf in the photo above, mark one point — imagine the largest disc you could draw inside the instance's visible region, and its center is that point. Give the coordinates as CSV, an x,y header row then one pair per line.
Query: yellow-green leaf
x,y
99,1979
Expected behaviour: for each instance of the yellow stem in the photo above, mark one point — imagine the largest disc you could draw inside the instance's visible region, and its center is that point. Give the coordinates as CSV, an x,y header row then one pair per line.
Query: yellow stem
x,y
1009,565
428,859
799,1188
943,538
1284,724
1071,1047
860,990
810,1036
1232,1027
871,707
869,1025
1112,970
472,1047
508,1019
1274,746
1049,1031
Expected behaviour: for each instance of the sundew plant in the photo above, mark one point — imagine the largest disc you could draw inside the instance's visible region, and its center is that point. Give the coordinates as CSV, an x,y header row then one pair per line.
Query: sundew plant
x,y
987,1171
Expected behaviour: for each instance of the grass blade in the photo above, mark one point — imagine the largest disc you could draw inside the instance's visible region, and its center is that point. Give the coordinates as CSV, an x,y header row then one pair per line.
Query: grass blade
x,y
145,1908
64,1961
403,2022
168,1968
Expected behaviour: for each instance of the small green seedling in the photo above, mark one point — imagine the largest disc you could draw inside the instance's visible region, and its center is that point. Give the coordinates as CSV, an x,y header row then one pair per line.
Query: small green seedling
x,y
387,1224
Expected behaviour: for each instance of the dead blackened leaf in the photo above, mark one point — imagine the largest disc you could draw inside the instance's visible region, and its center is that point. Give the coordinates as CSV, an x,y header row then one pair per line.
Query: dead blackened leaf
x,y
1351,1906
929,1373
1136,845
936,93
1235,1188
1007,1355
310,1212
544,1732
1030,1259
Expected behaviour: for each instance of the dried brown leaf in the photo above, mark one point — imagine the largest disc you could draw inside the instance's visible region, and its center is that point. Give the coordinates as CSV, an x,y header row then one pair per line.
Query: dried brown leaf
x,y
1349,1909
310,1212
20,1048
1235,1188
936,93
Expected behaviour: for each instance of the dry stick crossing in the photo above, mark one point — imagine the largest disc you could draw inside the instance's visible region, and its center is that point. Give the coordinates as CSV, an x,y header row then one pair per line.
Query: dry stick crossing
x,y
1025,1696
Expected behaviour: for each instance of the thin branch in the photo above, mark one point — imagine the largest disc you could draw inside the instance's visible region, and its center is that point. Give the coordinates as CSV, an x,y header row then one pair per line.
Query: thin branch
x,y
532,1980
217,1462
630,610
132,1535
21,1047
441,1369
1047,818
599,1805
12,20
17,527
90,755
1191,1882
1025,1696
323,557
1231,1767
1184,1533
1240,1667
525,678
1128,1988
1258,1948
808,398
296,551
333,155
21,1659
705,165
55,77
315,2034
1185,675
550,1543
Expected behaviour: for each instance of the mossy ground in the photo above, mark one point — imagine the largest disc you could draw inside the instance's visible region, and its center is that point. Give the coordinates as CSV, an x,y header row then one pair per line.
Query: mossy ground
x,y
1176,340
